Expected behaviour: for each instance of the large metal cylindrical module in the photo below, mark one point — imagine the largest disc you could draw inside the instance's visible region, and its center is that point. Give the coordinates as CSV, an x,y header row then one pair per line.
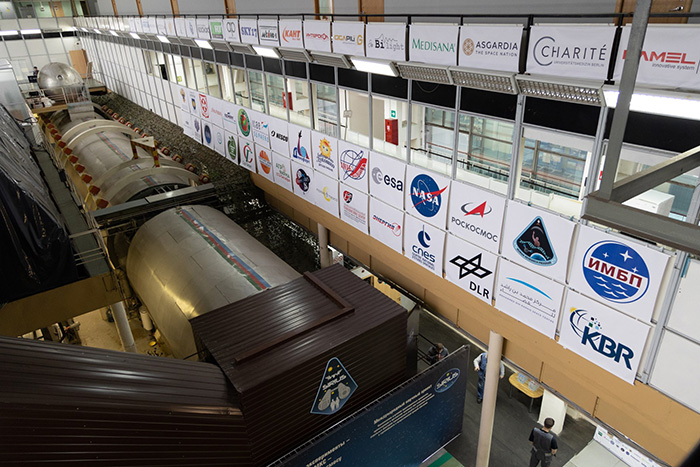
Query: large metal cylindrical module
x,y
193,259
60,80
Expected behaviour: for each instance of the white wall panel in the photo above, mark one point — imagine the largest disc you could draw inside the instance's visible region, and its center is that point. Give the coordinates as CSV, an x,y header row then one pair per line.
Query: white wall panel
x,y
158,7
205,7
675,371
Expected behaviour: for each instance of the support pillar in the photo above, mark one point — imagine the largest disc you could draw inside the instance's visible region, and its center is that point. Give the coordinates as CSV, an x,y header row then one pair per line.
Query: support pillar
x,y
123,328
488,407
323,246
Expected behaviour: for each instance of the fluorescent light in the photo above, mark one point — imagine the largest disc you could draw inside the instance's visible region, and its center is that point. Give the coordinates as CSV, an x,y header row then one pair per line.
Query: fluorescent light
x,y
30,31
113,33
84,29
163,39
377,67
134,35
678,105
266,51
97,31
203,43
9,33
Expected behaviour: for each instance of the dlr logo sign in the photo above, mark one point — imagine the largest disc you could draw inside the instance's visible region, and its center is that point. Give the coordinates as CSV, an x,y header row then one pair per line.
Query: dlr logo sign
x,y
606,346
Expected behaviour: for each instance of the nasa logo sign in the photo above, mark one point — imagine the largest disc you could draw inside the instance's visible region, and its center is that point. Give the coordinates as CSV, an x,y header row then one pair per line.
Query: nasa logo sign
x,y
447,380
534,245
426,195
353,164
302,180
590,330
615,272
243,122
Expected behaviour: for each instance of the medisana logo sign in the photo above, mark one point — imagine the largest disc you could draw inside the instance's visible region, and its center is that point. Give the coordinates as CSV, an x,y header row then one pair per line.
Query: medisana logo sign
x,y
434,44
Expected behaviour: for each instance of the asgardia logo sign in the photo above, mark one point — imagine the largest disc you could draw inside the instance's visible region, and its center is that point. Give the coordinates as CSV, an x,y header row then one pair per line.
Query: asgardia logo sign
x,y
426,195
496,48
615,272
546,52
590,330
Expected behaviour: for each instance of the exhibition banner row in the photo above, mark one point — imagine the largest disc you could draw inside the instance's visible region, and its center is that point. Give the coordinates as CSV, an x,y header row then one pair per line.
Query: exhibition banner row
x,y
548,272
670,57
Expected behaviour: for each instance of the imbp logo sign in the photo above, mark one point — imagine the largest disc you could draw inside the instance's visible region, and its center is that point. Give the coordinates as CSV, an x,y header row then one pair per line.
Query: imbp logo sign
x,y
616,272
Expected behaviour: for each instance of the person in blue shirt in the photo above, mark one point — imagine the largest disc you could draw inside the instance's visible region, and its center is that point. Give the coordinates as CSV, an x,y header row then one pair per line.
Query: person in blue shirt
x,y
480,366
436,353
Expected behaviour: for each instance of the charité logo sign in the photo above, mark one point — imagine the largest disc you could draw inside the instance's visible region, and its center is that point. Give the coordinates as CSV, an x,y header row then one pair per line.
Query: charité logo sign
x,y
548,51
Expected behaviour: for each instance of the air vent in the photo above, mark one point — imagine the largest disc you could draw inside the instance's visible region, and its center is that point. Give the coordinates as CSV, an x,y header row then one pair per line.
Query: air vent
x,y
590,93
298,55
331,60
490,82
242,48
424,73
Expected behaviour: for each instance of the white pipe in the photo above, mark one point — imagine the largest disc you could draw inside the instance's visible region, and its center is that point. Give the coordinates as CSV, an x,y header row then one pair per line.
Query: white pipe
x,y
146,321
323,246
123,328
488,409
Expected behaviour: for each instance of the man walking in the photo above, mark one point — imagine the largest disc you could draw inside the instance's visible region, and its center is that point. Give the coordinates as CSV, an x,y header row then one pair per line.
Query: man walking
x,y
480,366
544,444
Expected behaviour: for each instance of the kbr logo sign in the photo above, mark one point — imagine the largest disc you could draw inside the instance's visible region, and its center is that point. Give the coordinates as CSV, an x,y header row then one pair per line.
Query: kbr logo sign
x,y
589,329
447,380
426,195
615,272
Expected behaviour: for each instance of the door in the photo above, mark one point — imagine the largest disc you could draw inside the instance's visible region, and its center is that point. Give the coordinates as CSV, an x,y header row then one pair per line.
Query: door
x,y
57,9
658,6
371,7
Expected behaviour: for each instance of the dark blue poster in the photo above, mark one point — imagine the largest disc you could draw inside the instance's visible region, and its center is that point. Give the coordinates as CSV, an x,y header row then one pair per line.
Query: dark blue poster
x,y
402,428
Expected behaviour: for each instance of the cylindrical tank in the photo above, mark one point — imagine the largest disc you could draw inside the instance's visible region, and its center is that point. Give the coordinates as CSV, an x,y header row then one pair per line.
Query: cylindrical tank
x,y
58,80
193,259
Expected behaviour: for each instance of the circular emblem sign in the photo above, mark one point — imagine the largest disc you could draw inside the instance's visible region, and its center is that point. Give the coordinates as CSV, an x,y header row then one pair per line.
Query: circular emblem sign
x,y
468,46
243,122
615,272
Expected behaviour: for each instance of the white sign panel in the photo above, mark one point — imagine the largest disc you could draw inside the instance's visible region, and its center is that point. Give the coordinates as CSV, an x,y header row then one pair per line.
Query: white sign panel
x,y
302,181
532,299
490,47
160,25
282,170
326,193
204,106
231,147
230,27
537,240
622,450
203,28
470,268
219,140
476,215
170,27
620,273
386,41
180,27
247,154
386,224
349,37
186,122
300,144
216,28
317,35
207,134
180,97
426,195
572,51
291,33
268,32
279,135
424,244
324,153
248,29
191,27
670,57
245,127
433,43
263,156
229,116
354,207
387,179
258,122
611,340
352,165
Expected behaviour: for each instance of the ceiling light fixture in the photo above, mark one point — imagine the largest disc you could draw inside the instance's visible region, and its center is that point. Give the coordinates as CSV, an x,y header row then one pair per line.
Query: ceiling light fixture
x,y
203,43
30,31
163,39
266,51
134,35
377,67
679,105
9,33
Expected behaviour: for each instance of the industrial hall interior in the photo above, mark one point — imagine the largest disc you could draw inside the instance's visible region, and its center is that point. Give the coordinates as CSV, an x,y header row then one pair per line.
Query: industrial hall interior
x,y
350,233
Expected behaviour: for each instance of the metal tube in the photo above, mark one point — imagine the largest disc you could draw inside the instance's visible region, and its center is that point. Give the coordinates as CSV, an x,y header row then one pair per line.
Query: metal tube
x,y
488,409
123,328
323,246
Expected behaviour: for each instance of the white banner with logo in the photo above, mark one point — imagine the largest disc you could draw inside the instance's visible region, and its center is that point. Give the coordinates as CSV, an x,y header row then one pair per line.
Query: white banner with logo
x,y
490,47
279,135
601,335
170,27
186,123
326,193
230,27
424,244
387,179
245,127
532,299
470,267
623,451
282,171
160,24
216,28
386,41
268,32
317,35
476,215
230,117
258,123
300,144
324,151
349,38
194,102
180,27
427,194
247,154
386,224
219,140
352,165
191,24
433,43
196,129
572,51
231,147
537,239
302,181
354,207
203,28
263,156
180,96
670,57
248,29
216,115
620,273
291,33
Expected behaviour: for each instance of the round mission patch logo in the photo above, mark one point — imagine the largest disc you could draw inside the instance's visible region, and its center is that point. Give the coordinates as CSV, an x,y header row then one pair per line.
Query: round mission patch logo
x,y
615,272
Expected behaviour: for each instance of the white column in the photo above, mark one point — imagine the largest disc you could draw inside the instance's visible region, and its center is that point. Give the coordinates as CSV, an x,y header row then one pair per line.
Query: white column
x,y
323,246
123,328
488,407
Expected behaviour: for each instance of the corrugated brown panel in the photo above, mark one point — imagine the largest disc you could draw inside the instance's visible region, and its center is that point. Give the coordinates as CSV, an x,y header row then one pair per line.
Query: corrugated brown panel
x,y
79,406
278,385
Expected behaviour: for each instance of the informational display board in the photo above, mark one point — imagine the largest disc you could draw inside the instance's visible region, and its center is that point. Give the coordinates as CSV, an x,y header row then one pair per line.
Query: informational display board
x,y
324,150
387,179
490,47
424,244
349,37
291,33
415,421
426,195
263,156
317,35
606,337
476,215
353,162
386,41
326,196
354,207
282,171
300,144
193,97
532,299
386,224
470,267
433,43
303,181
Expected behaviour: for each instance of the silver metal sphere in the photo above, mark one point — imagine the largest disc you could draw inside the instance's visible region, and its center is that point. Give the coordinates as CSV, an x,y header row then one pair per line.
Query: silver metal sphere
x,y
58,75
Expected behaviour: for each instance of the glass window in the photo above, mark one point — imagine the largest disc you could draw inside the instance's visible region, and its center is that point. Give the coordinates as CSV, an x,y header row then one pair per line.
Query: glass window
x,y
212,77
178,70
354,124
325,110
432,138
199,75
226,83
240,86
484,151
552,168
189,73
257,91
299,102
389,126
275,96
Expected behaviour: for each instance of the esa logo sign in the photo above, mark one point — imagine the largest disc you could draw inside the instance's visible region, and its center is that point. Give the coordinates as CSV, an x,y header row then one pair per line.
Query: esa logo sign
x,y
615,272
380,178
426,195
590,330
